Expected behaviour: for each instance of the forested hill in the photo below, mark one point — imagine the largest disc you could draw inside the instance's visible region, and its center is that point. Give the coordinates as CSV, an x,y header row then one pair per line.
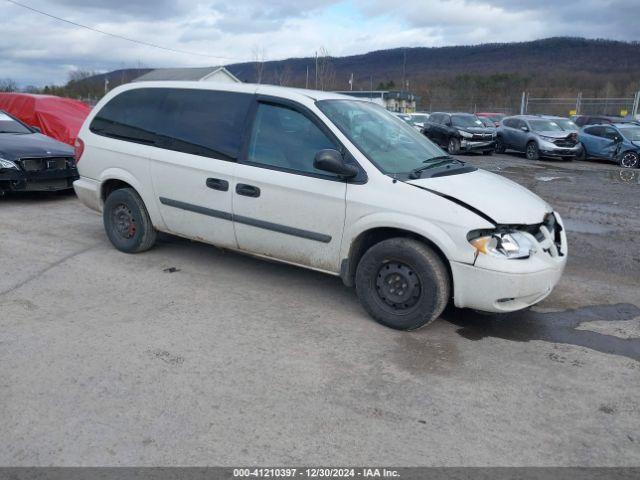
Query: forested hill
x,y
550,67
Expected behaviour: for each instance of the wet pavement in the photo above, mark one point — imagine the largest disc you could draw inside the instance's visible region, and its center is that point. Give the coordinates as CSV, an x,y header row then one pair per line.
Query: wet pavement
x,y
194,356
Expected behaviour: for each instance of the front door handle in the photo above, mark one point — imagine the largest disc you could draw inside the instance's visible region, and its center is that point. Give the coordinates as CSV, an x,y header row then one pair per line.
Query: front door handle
x,y
218,184
247,190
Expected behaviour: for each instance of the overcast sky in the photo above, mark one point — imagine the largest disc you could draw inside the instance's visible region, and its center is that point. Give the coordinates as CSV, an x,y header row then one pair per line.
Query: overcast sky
x,y
38,50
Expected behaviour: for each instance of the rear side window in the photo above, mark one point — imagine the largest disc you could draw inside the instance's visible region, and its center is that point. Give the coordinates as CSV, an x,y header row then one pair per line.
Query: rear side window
x,y
130,116
201,122
595,131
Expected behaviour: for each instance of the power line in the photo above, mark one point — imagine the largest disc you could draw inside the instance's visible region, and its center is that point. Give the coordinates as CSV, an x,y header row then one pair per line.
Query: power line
x,y
140,42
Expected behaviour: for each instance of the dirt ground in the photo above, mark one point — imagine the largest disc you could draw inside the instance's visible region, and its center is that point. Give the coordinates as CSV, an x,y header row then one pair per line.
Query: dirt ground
x,y
189,355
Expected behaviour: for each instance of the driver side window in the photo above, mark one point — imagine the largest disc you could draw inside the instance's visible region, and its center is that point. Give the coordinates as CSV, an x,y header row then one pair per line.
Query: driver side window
x,y
286,139
610,133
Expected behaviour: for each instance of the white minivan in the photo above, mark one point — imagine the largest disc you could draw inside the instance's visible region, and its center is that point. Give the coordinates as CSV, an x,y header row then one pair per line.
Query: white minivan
x,y
319,180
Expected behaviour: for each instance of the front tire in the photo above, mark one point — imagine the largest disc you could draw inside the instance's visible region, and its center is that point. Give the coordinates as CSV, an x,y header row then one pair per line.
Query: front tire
x,y
532,152
453,146
127,222
402,283
629,160
582,155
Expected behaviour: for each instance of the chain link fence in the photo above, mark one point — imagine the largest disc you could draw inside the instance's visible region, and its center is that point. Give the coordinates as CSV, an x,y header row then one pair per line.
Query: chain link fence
x,y
579,105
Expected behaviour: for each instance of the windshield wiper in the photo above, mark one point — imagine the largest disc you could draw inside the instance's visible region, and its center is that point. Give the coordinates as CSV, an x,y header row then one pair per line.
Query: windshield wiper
x,y
432,163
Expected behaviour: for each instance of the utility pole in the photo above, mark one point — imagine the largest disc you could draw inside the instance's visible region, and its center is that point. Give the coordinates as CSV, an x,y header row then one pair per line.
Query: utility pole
x,y
316,69
404,69
306,84
351,82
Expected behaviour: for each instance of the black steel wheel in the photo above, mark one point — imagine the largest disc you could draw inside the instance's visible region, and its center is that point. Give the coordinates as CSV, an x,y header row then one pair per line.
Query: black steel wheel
x,y
453,147
402,283
127,221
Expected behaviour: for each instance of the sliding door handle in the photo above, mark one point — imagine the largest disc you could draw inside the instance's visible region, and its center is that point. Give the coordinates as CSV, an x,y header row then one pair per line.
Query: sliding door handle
x,y
218,184
247,190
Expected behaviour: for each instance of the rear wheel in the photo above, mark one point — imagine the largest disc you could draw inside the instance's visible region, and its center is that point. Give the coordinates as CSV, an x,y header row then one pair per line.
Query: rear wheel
x,y
454,146
402,283
532,152
127,222
630,160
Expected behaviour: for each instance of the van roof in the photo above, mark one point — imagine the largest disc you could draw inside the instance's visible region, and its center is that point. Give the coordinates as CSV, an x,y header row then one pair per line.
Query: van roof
x,y
285,92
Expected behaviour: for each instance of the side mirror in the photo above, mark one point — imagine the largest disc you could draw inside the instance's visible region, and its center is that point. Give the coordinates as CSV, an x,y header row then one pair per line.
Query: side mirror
x,y
331,161
524,129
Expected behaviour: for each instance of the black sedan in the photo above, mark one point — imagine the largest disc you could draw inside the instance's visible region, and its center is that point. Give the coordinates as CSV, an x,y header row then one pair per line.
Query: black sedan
x,y
460,132
30,161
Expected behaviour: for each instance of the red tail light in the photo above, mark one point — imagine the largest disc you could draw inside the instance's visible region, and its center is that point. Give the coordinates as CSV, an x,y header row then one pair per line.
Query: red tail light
x,y
79,149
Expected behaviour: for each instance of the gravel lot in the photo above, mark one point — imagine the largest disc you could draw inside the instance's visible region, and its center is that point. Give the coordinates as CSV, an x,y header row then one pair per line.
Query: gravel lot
x,y
189,355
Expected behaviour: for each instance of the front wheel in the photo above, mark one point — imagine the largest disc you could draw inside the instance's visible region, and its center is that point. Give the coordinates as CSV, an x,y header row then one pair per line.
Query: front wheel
x,y
402,283
532,151
583,154
127,222
630,160
454,146
500,146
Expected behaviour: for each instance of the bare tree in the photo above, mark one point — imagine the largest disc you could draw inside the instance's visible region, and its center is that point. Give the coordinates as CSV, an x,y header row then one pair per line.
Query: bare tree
x,y
77,75
283,75
8,85
259,55
326,73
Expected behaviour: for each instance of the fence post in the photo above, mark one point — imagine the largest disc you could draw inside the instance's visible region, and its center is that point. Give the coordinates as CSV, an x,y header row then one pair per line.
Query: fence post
x,y
523,106
636,101
578,103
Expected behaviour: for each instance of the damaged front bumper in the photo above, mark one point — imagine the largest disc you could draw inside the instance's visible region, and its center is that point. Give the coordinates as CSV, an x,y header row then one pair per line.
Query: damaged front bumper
x,y
551,150
477,146
504,285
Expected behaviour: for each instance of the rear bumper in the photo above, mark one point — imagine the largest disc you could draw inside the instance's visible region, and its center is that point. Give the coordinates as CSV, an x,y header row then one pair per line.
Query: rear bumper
x,y
88,192
40,181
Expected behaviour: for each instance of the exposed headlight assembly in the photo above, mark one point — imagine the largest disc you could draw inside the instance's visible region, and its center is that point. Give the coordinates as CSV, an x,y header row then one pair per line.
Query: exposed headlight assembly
x,y
548,139
464,134
510,244
7,164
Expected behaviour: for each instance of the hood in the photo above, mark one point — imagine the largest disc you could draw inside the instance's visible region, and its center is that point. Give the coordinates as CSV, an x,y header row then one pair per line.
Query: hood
x,y
15,146
636,143
502,200
554,134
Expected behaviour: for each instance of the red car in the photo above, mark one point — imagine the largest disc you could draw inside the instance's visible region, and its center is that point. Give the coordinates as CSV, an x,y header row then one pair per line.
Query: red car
x,y
494,117
56,117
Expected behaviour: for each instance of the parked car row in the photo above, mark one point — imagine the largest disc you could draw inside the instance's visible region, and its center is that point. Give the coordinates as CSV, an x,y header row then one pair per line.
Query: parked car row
x,y
537,136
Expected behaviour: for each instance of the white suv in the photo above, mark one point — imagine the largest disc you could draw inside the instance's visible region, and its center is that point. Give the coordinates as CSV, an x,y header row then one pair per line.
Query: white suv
x,y
322,181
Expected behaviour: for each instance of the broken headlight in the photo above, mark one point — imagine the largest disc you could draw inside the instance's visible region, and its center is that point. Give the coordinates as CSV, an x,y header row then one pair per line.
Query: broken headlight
x,y
509,244
7,164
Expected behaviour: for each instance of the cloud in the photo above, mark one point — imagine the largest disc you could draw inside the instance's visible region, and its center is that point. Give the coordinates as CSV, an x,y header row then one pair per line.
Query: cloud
x,y
38,50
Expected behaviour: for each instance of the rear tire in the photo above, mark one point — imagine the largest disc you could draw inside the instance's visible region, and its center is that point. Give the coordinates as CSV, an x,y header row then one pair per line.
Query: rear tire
x,y
532,152
629,160
127,222
402,283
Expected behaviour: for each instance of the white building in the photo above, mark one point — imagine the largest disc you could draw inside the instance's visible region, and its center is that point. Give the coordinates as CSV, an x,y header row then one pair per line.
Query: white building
x,y
394,101
204,74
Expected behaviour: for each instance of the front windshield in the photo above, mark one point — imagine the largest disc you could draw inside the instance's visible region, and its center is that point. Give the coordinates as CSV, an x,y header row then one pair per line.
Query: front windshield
x,y
9,125
566,124
389,143
466,121
544,126
631,133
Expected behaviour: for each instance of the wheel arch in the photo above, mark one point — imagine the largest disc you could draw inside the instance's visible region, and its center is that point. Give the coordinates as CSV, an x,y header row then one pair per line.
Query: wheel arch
x,y
372,236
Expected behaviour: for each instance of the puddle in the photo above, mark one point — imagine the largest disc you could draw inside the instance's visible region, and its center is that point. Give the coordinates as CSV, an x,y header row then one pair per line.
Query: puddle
x,y
553,327
580,226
